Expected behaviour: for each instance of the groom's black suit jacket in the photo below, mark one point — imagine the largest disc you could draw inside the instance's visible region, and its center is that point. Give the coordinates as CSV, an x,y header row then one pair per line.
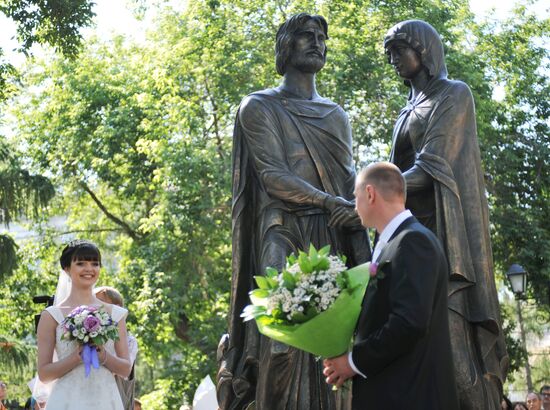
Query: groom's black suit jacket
x,y
402,341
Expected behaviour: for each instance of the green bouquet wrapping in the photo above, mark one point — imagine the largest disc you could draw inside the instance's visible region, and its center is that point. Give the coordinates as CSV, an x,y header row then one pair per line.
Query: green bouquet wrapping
x,y
313,304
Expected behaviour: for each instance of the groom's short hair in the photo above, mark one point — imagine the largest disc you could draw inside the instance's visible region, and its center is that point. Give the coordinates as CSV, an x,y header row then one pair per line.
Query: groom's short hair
x,y
386,178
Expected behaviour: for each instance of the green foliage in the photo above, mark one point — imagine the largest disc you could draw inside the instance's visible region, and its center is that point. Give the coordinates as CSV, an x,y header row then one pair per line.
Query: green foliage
x,y
21,195
8,255
32,277
137,140
53,22
514,346
15,354
7,73
17,358
541,369
155,399
536,324
262,282
515,145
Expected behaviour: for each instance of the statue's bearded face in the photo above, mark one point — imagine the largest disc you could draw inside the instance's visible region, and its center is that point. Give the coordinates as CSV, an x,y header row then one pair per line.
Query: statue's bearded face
x,y
308,51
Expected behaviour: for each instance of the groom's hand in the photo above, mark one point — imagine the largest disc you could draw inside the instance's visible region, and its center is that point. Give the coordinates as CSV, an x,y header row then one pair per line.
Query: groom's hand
x,y
337,370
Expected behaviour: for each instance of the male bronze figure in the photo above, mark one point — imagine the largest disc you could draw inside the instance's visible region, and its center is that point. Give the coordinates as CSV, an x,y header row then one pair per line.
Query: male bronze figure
x,y
293,181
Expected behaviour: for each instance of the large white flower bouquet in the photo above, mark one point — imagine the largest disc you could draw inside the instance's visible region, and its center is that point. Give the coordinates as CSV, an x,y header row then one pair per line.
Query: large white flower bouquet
x,y
313,304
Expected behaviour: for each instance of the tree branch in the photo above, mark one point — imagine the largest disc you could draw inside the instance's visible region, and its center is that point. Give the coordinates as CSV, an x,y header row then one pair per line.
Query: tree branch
x,y
90,230
125,227
215,121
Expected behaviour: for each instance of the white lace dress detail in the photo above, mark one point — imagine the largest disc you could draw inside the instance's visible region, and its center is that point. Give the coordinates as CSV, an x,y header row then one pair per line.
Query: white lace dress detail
x,y
74,390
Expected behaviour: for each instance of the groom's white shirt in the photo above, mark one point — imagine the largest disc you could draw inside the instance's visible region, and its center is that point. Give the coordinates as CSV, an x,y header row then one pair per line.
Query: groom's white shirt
x,y
383,239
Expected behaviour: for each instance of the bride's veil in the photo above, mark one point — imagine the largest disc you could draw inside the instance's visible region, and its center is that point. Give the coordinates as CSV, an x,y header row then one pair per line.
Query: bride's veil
x,y
63,288
41,390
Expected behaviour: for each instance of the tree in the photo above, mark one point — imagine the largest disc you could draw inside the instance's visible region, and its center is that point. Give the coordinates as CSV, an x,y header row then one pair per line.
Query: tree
x,y
516,147
140,187
35,275
15,354
21,194
53,22
138,140
57,23
536,325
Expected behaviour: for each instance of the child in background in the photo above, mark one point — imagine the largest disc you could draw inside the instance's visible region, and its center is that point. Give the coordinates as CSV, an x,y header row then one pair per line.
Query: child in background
x,y
126,387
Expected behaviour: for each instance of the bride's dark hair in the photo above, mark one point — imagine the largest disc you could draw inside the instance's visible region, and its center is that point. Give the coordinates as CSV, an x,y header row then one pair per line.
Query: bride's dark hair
x,y
79,250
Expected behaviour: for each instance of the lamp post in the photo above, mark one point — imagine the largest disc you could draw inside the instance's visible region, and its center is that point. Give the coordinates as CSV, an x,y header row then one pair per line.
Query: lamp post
x,y
518,281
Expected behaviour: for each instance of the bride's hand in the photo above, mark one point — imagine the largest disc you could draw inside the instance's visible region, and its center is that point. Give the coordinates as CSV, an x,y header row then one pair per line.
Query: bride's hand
x,y
76,356
102,354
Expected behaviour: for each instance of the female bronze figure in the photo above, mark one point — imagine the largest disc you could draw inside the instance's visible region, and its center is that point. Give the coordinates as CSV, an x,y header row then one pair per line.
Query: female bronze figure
x,y
435,145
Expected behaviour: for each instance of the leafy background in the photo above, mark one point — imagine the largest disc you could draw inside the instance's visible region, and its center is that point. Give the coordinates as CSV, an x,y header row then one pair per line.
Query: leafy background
x,y
130,143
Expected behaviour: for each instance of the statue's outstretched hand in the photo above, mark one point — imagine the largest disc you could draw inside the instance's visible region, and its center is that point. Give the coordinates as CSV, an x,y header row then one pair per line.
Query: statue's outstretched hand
x,y
333,202
344,217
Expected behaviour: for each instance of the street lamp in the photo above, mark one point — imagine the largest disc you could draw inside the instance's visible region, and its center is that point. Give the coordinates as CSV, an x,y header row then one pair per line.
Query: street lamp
x,y
518,279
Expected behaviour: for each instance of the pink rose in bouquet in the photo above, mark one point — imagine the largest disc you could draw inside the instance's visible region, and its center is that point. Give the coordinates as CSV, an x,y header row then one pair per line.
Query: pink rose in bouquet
x,y
92,324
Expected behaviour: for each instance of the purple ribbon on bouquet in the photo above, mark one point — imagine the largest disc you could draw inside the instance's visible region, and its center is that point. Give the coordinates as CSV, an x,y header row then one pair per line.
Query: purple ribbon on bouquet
x,y
89,358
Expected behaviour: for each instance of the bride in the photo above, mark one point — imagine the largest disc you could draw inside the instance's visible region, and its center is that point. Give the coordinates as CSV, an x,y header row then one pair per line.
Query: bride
x,y
81,262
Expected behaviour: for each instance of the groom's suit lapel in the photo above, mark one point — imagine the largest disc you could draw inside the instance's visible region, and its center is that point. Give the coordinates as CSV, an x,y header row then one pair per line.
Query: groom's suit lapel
x,y
404,225
385,255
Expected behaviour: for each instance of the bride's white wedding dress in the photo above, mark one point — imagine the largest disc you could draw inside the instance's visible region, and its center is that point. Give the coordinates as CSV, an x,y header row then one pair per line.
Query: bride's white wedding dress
x,y
74,390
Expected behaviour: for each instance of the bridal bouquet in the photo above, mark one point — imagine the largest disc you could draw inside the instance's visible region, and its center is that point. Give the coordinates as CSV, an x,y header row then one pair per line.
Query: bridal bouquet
x,y
313,304
89,326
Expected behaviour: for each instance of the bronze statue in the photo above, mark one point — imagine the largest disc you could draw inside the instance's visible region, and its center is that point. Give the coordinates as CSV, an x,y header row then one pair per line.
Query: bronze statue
x,y
293,181
435,145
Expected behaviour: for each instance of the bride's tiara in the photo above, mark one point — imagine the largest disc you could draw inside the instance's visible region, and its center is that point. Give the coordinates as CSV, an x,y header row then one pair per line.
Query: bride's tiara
x,y
77,242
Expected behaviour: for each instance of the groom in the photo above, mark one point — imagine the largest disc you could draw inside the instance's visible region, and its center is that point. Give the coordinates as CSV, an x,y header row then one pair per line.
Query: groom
x,y
401,357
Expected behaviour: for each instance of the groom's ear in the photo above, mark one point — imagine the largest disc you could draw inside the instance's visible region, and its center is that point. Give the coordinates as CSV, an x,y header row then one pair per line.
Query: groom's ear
x,y
371,193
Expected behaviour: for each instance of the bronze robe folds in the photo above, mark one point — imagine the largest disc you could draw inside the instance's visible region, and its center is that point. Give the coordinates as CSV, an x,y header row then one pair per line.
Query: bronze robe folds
x,y
435,141
437,133
288,154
